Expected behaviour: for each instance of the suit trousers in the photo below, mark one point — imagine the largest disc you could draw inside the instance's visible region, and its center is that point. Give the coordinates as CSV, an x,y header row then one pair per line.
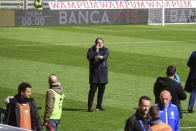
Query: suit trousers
x,y
193,95
93,89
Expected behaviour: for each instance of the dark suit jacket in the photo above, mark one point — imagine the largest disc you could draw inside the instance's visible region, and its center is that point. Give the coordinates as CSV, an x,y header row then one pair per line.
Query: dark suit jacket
x,y
192,64
98,70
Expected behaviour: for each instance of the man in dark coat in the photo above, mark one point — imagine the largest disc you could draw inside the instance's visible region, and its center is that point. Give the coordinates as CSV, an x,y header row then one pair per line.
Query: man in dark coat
x,y
168,83
21,111
98,72
192,64
139,121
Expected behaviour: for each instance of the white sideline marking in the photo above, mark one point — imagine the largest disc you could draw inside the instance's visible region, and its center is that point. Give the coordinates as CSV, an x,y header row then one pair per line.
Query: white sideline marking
x,y
109,43
149,42
90,28
187,127
182,29
180,128
101,29
48,44
87,28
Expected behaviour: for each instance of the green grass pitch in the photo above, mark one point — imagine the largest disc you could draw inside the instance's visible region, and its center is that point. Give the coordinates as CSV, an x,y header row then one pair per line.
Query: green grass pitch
x,y
138,55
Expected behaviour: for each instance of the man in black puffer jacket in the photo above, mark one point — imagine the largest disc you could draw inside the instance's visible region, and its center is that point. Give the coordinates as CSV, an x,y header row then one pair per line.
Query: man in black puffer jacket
x,y
21,111
168,83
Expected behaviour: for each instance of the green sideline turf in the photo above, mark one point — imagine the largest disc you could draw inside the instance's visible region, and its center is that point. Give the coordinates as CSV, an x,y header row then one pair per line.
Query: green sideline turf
x,y
138,54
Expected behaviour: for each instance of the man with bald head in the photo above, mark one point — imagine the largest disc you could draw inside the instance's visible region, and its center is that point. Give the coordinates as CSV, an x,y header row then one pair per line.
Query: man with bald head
x,y
52,79
168,112
52,107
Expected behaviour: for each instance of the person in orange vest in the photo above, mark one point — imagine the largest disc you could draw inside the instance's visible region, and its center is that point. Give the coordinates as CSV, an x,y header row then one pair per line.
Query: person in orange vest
x,y
155,122
21,110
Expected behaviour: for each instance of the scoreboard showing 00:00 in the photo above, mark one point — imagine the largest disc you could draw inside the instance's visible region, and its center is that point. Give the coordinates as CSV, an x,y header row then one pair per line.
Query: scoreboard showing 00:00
x,y
32,21
32,18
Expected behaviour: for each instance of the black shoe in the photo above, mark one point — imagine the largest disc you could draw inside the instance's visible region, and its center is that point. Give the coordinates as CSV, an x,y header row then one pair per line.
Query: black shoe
x,y
99,109
90,110
190,110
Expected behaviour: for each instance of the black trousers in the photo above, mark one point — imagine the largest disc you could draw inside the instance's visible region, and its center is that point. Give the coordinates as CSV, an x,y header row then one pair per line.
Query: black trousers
x,y
93,89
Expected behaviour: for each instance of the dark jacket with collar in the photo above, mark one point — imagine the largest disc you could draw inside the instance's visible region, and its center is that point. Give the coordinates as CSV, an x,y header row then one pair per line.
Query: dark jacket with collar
x,y
192,64
98,70
189,85
12,114
134,123
176,90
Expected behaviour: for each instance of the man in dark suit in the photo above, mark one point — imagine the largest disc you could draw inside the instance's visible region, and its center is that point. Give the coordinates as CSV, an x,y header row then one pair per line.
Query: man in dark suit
x,y
192,64
98,72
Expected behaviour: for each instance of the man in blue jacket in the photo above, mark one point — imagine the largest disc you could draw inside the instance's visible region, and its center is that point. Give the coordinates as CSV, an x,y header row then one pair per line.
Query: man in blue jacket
x,y
192,64
98,72
168,111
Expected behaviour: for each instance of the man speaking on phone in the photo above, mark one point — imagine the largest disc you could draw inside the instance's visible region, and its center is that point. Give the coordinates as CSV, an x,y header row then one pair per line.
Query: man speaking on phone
x,y
98,72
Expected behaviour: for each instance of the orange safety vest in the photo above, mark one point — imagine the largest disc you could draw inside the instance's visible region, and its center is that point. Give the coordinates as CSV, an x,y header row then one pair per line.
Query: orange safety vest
x,y
25,116
161,127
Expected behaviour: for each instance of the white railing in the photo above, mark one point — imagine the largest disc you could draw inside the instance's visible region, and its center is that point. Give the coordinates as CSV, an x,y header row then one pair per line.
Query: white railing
x,y
20,4
11,5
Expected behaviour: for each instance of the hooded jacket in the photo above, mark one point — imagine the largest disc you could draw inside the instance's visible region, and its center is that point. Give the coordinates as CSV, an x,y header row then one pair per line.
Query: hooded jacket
x,y
176,90
170,116
12,114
